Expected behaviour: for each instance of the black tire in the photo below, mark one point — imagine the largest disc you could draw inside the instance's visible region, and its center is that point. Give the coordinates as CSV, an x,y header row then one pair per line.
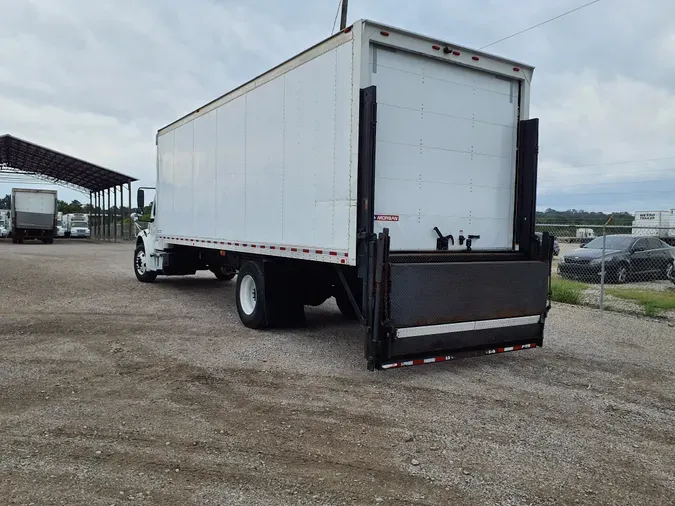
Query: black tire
x,y
15,240
140,266
223,273
48,241
250,295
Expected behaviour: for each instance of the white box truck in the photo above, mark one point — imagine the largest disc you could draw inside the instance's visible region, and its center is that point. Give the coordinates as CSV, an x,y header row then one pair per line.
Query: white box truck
x,y
60,230
76,225
392,171
5,226
33,215
659,224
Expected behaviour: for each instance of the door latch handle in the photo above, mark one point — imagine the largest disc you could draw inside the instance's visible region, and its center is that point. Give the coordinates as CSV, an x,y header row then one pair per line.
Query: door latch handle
x,y
469,239
443,240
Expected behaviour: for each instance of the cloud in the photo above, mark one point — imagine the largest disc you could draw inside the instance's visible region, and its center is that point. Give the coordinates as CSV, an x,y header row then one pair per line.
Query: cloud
x,y
609,120
98,79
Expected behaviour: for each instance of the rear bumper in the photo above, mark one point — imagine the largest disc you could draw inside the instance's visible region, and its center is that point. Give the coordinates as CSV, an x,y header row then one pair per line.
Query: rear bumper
x,y
434,359
427,308
470,337
448,310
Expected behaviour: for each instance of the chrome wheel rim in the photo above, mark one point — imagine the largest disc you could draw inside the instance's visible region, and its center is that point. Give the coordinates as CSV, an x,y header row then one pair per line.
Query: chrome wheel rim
x,y
140,262
248,297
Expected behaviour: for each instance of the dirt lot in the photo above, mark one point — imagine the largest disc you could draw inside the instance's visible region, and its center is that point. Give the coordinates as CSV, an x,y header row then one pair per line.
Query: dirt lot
x,y
114,392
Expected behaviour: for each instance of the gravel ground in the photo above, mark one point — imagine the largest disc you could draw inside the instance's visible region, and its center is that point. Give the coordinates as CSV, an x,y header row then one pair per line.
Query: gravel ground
x,y
114,392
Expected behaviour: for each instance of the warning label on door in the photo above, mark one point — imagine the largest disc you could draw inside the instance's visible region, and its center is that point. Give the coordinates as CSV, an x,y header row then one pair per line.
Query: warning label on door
x,y
386,217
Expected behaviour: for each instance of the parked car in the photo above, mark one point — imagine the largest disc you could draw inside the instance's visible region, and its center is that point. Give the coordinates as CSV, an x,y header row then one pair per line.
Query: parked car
x,y
3,231
556,246
626,257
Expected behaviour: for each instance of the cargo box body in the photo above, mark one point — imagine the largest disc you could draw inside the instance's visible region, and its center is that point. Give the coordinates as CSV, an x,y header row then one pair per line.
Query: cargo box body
x,y
406,162
33,214
278,157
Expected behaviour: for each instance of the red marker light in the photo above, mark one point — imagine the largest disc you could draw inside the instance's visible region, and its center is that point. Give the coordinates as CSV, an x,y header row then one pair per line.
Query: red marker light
x,y
348,29
475,58
436,48
456,53
516,69
384,34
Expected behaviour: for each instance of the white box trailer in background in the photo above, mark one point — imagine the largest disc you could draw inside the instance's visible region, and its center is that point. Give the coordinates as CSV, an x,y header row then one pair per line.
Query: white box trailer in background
x,y
5,226
33,215
60,230
392,171
659,224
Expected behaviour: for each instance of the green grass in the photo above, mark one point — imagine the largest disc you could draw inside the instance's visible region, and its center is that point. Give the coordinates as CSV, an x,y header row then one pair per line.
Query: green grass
x,y
569,292
653,302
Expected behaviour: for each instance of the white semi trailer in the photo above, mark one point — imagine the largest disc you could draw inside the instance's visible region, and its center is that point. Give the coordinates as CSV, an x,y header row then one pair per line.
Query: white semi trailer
x,y
392,171
5,226
659,224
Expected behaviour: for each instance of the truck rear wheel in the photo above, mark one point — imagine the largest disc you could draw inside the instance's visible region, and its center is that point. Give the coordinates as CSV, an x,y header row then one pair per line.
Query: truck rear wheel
x,y
250,294
141,267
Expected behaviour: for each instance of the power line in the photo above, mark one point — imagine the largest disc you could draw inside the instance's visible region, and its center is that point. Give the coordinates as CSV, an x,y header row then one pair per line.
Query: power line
x,y
540,24
337,13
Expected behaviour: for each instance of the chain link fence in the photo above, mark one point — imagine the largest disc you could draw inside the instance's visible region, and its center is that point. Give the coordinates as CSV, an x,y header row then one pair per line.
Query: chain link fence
x,y
615,268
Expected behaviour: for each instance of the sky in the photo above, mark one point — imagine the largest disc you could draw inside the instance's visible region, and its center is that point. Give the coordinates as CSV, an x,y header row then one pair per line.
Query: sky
x,y
98,79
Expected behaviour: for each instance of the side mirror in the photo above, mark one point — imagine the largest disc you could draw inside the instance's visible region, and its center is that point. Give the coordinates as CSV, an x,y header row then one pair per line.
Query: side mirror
x,y
140,199
134,217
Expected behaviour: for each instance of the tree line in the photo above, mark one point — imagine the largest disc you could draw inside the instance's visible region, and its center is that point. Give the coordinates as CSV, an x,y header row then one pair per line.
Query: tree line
x,y
77,207
581,217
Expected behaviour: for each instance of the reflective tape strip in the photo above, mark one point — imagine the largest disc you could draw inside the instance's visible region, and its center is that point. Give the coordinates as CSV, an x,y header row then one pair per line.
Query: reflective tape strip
x,y
447,328
446,358
292,251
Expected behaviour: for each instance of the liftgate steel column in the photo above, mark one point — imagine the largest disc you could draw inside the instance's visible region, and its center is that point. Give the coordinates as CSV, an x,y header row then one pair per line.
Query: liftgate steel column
x,y
131,227
115,214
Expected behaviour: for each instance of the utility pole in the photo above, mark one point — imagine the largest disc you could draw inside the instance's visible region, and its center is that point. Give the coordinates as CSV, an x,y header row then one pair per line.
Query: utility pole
x,y
343,19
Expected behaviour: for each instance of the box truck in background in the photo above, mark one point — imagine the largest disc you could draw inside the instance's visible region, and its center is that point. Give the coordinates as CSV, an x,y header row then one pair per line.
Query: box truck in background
x,y
76,225
392,171
5,226
33,215
659,224
60,230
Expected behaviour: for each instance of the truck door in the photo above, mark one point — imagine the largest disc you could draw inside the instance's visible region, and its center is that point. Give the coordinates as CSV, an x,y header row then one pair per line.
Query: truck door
x,y
445,152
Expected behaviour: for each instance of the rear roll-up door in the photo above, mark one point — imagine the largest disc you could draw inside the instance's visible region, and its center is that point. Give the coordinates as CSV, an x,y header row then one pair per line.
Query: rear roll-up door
x,y
445,152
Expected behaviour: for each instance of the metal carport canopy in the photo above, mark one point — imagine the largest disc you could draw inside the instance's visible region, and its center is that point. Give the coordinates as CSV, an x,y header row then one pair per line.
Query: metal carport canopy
x,y
28,158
